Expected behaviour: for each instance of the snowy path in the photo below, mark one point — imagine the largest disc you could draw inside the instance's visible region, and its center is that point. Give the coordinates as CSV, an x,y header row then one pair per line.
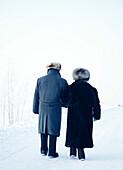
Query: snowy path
x,y
19,146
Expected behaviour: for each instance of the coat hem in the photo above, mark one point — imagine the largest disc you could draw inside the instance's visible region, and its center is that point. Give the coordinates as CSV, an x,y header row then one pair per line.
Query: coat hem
x,y
70,146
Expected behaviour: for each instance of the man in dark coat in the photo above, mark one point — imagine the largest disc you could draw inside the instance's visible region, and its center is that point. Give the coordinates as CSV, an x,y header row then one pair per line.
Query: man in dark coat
x,y
47,103
83,105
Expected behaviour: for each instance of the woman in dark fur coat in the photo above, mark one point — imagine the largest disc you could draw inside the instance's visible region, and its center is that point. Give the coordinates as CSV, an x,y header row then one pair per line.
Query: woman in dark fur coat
x,y
83,106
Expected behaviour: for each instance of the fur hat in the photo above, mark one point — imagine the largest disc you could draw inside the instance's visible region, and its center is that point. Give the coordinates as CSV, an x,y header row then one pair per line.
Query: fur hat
x,y
81,73
55,65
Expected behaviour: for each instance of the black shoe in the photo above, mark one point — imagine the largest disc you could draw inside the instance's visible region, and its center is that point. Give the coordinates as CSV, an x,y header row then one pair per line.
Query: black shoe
x,y
81,154
43,153
53,155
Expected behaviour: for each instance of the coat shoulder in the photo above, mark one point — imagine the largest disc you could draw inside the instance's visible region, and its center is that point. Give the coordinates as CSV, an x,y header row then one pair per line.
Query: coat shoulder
x,y
40,78
92,88
64,80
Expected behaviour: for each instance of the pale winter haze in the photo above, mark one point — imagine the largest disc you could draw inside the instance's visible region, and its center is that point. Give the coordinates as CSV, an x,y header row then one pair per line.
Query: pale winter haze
x,y
75,33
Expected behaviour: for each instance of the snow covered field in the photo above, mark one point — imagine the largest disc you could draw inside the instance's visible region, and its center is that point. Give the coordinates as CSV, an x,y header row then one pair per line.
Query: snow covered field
x,y
20,145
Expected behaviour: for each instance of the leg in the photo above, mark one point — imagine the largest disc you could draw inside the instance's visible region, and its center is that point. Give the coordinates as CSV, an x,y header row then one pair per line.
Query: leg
x,y
52,146
44,144
81,154
72,151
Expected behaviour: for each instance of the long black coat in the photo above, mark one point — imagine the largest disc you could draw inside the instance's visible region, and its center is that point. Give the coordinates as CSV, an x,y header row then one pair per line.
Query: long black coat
x,y
47,102
83,104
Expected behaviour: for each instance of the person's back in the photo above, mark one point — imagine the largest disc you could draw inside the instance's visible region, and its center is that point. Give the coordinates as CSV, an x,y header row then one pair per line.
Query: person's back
x,y
85,95
51,86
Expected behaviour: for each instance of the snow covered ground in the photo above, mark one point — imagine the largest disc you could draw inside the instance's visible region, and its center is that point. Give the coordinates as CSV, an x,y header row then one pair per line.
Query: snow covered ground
x,y
20,145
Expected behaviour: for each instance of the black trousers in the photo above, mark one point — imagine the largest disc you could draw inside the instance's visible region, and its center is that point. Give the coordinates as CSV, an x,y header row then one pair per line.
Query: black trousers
x,y
81,153
52,143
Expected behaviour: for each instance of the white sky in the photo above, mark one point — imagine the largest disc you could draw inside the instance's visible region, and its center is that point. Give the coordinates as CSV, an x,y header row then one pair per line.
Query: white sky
x,y
77,33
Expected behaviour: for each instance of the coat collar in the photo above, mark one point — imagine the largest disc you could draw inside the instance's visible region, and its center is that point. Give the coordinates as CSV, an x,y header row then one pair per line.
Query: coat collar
x,y
80,81
54,72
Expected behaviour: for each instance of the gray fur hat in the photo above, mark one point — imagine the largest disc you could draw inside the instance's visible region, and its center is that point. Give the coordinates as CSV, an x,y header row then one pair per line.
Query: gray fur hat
x,y
81,73
54,65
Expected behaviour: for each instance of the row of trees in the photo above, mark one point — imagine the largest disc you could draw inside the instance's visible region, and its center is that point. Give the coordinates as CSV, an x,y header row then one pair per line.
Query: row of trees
x,y
16,96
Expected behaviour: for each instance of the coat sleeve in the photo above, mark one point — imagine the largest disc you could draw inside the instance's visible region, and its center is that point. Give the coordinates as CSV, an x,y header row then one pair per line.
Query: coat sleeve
x,y
36,100
64,86
96,106
66,96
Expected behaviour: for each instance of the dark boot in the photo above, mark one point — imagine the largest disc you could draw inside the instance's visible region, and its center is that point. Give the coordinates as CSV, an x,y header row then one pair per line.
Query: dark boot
x,y
44,147
52,146
72,151
81,154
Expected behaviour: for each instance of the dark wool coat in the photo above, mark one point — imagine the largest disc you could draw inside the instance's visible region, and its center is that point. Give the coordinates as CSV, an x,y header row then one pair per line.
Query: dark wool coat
x,y
83,104
47,102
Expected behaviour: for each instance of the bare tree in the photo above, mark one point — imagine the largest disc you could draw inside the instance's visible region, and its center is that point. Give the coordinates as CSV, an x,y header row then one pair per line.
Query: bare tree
x,y
10,91
16,103
4,109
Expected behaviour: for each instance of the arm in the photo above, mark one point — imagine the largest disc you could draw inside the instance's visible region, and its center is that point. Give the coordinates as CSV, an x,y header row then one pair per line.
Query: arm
x,y
36,100
66,96
96,106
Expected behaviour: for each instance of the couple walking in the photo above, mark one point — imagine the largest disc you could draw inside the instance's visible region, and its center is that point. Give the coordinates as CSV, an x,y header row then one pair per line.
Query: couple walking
x,y
51,94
